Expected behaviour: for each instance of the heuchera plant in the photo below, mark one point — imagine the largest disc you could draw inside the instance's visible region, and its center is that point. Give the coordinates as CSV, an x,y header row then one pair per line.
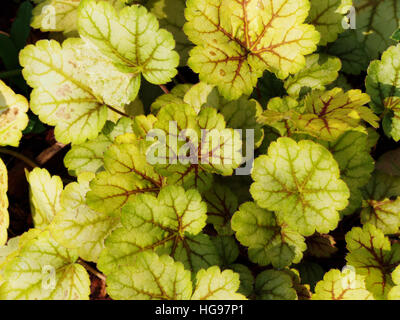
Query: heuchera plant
x,y
265,168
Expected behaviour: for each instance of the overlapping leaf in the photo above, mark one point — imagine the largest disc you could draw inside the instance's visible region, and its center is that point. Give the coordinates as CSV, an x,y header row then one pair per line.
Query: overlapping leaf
x,y
44,270
145,48
300,182
13,118
222,203
191,147
77,226
69,90
344,285
376,21
372,256
327,17
274,285
61,15
327,115
320,70
127,174
381,204
237,41
89,156
269,241
169,224
45,191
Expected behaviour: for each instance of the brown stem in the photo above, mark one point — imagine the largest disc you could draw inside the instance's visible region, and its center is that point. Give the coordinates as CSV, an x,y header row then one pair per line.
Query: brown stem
x,y
19,156
50,152
92,270
164,88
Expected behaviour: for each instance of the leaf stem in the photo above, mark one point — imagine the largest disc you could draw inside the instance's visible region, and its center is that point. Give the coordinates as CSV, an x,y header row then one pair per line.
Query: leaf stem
x,y
10,74
119,112
92,270
19,156
164,88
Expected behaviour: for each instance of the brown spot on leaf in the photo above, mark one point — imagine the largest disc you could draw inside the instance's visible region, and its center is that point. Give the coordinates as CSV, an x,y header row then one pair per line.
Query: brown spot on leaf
x,y
222,72
64,90
213,53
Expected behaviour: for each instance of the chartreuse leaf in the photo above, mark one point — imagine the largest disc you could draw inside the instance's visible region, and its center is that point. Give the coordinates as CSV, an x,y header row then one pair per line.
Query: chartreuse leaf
x,y
351,151
127,174
383,78
240,114
150,277
322,114
89,156
176,95
381,202
327,18
346,285
45,191
202,146
394,293
145,49
300,182
327,115
44,270
168,224
153,277
77,226
212,284
269,241
222,203
274,285
4,218
60,15
13,117
237,41
376,22
320,70
70,90
372,256
170,14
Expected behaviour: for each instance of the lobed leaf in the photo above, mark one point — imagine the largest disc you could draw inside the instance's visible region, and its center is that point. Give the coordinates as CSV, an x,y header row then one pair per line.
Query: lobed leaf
x,y
13,117
237,41
300,182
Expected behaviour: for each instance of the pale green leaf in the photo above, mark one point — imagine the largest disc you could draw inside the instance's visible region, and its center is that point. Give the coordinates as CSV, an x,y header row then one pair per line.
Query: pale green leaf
x,y
89,156
237,41
131,38
77,226
70,91
373,256
169,224
269,241
13,118
43,270
344,285
212,284
150,277
45,191
127,173
300,182
327,18
320,70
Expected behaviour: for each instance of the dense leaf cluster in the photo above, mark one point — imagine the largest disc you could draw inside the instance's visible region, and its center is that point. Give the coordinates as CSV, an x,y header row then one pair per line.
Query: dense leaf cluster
x,y
288,72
